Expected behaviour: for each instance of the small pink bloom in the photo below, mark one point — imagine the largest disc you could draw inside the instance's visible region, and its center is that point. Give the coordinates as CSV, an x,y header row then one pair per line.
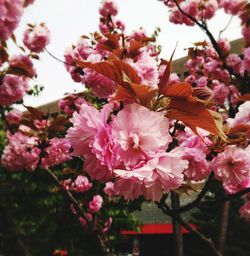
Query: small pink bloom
x,y
232,167
21,154
198,168
81,184
12,90
109,189
56,153
36,38
14,116
96,204
108,8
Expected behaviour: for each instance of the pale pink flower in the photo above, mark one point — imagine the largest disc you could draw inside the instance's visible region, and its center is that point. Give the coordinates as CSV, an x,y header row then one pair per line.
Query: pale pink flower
x,y
147,69
162,173
96,204
81,184
139,133
232,166
12,90
234,61
36,38
56,153
89,126
14,116
21,154
95,169
220,92
198,167
10,14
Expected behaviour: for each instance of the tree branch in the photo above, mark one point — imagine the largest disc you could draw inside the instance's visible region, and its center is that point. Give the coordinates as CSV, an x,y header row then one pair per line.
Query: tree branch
x,y
192,230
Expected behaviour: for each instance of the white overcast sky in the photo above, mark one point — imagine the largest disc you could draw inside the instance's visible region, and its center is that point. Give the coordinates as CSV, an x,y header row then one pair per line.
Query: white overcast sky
x,y
69,19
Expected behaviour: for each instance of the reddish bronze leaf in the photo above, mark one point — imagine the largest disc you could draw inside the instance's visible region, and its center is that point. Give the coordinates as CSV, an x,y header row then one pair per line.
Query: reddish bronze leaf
x,y
35,113
244,97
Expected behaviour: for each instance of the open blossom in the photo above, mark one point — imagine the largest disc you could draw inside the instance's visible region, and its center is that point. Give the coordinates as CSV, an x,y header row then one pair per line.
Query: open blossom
x,y
234,61
109,189
139,133
147,69
10,14
96,204
198,167
21,154
12,89
56,153
86,125
80,184
232,167
14,116
36,38
161,173
22,63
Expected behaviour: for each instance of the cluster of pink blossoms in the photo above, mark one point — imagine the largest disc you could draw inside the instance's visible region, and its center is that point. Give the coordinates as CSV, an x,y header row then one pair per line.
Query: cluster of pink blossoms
x,y
80,184
130,149
36,38
23,152
100,46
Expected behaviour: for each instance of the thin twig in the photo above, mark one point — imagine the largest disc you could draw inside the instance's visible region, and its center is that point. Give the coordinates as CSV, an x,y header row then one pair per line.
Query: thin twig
x,y
198,199
80,209
226,27
178,218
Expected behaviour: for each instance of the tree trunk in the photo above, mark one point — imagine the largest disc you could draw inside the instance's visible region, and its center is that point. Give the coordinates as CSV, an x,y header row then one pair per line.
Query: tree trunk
x,y
223,227
178,239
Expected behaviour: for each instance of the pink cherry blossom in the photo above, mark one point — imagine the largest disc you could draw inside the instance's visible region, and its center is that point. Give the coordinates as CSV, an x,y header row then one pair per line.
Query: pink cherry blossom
x,y
10,14
139,133
96,204
163,172
147,69
14,116
232,6
109,189
108,8
220,92
36,38
81,184
21,154
235,62
232,166
198,167
12,89
56,153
